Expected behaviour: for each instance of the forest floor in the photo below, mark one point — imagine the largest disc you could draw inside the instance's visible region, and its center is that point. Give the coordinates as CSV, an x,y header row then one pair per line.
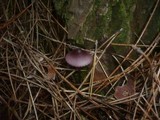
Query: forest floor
x,y
36,83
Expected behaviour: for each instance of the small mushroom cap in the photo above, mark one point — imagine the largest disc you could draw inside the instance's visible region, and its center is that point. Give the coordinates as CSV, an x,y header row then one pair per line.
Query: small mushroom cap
x,y
78,58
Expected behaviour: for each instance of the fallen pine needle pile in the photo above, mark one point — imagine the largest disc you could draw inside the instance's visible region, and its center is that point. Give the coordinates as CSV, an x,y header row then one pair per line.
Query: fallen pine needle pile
x,y
36,83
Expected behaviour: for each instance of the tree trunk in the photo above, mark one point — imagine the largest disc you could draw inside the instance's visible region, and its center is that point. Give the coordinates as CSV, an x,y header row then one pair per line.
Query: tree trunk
x,y
96,19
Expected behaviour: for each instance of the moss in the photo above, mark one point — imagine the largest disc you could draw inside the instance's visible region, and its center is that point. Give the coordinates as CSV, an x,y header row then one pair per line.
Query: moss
x,y
119,15
121,18
61,8
97,22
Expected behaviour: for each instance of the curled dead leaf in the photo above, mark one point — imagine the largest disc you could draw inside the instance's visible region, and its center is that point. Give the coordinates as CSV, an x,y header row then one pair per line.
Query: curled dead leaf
x,y
50,72
98,76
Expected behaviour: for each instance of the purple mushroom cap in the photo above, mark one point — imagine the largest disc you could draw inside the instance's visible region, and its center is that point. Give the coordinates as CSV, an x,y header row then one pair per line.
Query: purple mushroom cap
x,y
78,58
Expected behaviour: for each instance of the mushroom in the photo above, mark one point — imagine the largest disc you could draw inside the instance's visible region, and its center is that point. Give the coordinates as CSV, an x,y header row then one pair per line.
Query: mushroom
x,y
78,58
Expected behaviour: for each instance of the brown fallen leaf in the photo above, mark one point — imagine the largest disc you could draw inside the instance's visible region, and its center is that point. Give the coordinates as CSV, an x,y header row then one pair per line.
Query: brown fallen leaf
x,y
98,76
125,90
51,74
